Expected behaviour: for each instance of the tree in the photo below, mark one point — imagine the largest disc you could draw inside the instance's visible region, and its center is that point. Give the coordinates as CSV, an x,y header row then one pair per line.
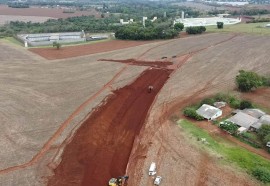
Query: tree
x,y
191,112
228,126
247,80
208,101
266,139
57,45
264,132
262,174
220,25
195,29
245,104
178,26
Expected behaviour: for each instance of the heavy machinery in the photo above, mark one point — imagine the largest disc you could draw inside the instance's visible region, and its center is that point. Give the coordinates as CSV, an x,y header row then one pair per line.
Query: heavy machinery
x,y
150,88
120,181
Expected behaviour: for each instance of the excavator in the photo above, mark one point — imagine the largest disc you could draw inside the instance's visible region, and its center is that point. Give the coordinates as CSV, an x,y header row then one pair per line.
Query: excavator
x,y
120,181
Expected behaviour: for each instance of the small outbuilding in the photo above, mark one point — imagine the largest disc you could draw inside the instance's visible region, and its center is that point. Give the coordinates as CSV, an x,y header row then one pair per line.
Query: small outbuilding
x,y
256,113
220,104
241,130
265,119
209,112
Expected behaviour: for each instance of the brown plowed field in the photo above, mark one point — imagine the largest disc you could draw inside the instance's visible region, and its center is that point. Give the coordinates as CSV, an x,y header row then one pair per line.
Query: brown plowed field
x,y
44,12
80,50
101,147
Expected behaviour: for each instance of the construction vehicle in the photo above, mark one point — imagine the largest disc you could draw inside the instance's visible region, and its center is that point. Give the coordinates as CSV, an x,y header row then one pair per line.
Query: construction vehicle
x,y
120,181
150,88
152,169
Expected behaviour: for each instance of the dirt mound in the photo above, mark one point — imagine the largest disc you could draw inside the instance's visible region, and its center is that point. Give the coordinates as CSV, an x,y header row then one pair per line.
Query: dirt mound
x,y
100,149
141,63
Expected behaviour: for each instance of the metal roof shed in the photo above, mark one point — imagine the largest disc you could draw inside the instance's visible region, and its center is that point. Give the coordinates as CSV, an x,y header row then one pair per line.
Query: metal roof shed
x,y
209,112
263,120
243,120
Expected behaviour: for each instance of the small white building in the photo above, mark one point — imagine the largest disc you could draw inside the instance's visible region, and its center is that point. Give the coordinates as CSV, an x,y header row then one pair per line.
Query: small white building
x,y
241,130
220,104
209,112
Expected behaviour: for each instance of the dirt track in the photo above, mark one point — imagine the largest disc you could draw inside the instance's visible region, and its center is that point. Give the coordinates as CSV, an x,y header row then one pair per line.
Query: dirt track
x,y
101,147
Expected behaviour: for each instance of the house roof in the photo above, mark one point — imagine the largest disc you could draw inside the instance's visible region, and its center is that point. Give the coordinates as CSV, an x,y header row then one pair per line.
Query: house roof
x,y
257,113
265,119
207,111
243,120
220,104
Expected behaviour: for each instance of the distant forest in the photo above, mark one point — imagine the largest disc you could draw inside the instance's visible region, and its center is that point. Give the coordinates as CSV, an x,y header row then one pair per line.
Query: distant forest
x,y
110,21
111,13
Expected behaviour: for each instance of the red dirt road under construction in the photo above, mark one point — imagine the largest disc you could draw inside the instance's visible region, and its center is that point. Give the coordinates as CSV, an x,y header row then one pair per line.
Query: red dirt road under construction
x,y
101,147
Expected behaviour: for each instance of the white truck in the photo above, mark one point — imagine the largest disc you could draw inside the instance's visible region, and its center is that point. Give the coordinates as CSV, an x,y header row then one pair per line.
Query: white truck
x,y
152,169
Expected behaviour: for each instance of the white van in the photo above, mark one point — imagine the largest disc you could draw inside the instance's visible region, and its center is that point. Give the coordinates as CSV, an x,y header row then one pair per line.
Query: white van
x,y
152,169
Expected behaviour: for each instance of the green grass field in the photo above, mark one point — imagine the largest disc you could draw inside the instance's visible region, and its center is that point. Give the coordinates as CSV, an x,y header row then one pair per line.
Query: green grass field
x,y
231,154
251,28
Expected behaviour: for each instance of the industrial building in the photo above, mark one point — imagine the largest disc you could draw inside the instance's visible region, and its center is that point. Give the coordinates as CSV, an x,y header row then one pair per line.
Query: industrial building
x,y
45,39
207,21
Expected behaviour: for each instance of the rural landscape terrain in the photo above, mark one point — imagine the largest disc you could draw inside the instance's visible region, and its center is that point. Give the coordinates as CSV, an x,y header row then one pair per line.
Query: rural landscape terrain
x,y
46,101
86,112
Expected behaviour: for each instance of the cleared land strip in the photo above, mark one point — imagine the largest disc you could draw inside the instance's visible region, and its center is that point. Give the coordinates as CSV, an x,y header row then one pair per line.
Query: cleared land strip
x,y
49,143
101,147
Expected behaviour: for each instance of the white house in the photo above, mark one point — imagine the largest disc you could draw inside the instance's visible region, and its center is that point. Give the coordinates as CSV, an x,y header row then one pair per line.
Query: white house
x,y
209,112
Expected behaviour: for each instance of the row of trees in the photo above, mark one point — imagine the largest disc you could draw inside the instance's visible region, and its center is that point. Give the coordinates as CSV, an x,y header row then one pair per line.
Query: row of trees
x,y
151,31
261,20
150,10
87,23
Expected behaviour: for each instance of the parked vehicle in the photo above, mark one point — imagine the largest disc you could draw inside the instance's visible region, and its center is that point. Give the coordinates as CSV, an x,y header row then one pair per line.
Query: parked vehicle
x,y
152,169
157,180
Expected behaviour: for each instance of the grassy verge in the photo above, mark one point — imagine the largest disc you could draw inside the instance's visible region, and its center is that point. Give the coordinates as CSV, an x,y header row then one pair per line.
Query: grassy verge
x,y
231,154
251,28
13,41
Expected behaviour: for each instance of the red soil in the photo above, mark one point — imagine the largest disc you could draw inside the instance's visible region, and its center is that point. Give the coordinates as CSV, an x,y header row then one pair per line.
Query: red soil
x,y
44,12
101,147
80,50
259,96
141,63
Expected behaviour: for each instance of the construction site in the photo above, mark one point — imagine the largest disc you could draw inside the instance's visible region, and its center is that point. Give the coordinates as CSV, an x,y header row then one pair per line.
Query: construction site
x,y
103,117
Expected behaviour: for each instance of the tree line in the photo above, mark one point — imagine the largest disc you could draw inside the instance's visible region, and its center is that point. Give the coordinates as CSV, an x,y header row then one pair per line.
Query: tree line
x,y
138,32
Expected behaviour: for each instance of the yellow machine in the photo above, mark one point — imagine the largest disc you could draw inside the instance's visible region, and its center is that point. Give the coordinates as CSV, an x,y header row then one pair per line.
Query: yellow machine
x,y
120,181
